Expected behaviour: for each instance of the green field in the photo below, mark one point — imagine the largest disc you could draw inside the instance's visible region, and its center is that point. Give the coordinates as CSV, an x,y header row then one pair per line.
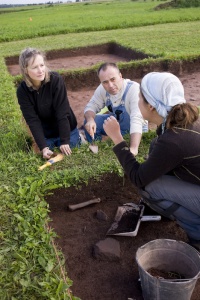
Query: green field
x,y
83,17
30,268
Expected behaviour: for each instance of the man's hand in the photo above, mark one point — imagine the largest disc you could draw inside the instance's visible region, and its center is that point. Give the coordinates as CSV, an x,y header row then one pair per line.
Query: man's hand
x,y
112,129
46,153
65,149
90,126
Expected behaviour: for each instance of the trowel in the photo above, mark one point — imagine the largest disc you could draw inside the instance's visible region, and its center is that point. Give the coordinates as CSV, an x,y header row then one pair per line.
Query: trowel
x,y
128,218
93,147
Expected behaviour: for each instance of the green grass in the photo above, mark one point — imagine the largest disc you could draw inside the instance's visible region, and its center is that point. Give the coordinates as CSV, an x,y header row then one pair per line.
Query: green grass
x,y
165,40
79,17
30,267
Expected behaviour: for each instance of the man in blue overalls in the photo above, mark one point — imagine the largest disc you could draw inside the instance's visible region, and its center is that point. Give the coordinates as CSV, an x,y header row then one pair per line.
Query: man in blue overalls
x,y
120,96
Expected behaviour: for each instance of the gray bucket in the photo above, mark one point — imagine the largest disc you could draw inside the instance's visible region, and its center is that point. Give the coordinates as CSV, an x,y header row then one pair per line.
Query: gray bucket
x,y
169,256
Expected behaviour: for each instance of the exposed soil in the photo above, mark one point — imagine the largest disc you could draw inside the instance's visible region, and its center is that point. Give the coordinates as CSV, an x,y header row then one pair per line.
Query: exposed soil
x,y
80,230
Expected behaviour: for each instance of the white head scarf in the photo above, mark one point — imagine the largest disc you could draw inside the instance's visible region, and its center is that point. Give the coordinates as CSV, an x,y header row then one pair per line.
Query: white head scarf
x,y
163,91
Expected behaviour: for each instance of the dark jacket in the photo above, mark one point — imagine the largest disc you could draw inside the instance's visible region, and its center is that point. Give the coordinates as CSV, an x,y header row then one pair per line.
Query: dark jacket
x,y
47,111
176,152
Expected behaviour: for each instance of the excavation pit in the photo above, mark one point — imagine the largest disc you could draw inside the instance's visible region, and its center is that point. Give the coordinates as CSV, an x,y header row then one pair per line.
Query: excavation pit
x,y
78,231
85,57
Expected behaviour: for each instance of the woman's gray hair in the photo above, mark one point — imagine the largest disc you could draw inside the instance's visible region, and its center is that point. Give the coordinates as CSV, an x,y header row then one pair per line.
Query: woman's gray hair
x,y
24,58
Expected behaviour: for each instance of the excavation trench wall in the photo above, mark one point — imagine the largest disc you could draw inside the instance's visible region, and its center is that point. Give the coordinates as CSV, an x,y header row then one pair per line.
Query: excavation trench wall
x,y
79,70
79,65
77,80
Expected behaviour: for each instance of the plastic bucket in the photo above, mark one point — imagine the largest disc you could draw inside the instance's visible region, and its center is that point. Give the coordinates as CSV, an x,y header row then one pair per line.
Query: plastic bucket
x,y
169,256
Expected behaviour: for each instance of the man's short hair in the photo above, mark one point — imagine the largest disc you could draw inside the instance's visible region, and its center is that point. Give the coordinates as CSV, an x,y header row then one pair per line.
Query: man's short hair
x,y
104,67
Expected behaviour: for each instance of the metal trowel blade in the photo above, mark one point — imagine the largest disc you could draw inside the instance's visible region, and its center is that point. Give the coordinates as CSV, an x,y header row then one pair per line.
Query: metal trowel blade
x,y
93,147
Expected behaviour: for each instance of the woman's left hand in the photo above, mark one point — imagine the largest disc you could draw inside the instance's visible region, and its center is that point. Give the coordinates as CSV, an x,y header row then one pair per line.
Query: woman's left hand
x,y
65,149
112,129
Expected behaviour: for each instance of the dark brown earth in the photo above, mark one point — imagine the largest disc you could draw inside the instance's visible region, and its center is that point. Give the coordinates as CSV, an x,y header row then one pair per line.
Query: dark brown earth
x,y
80,230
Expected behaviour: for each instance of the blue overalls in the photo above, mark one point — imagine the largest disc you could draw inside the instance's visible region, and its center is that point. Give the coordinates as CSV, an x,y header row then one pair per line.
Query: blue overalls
x,y
118,112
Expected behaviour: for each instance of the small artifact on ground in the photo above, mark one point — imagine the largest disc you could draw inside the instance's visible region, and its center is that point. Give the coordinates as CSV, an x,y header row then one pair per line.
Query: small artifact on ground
x,y
73,207
101,215
108,249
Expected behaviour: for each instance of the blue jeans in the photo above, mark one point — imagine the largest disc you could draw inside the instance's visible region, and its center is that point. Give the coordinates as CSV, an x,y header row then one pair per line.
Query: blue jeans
x,y
99,120
166,191
75,140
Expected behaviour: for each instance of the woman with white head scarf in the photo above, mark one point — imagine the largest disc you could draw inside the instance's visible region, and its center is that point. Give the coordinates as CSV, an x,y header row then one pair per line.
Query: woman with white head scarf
x,y
169,180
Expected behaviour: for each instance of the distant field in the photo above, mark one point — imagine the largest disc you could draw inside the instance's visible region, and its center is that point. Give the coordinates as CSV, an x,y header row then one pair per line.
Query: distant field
x,y
172,40
83,17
